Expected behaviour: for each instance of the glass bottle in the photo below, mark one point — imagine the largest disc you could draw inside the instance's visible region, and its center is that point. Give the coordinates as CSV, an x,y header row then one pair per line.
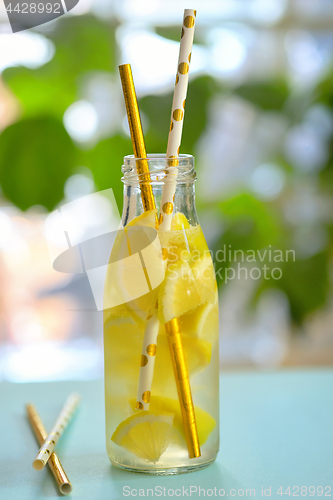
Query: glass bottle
x,y
153,440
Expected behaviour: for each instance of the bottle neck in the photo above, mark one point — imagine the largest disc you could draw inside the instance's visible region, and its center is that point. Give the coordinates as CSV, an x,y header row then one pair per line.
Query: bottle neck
x,y
158,165
134,184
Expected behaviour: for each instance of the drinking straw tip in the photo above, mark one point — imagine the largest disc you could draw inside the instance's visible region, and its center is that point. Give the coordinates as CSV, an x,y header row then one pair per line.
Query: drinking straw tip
x,y
124,67
38,464
66,488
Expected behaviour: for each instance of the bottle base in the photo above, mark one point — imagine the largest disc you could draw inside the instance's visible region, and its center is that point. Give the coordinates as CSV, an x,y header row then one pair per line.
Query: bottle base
x,y
164,471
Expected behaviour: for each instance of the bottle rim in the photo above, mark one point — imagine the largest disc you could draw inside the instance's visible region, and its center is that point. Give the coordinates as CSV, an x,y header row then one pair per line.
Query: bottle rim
x,y
158,165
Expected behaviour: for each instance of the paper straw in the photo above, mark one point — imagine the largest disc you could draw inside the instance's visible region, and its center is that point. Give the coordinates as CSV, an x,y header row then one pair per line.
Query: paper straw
x,y
177,118
168,192
138,142
57,470
57,430
149,346
183,387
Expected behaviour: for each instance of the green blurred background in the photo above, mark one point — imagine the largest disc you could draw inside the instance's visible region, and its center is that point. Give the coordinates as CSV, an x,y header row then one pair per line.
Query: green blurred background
x,y
259,120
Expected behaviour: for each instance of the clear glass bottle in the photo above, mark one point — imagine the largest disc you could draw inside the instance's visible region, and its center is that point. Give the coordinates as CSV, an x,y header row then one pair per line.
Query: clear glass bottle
x,y
153,440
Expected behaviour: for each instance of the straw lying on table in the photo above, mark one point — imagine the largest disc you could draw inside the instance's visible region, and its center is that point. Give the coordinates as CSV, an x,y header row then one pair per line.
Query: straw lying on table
x,y
60,424
172,327
57,470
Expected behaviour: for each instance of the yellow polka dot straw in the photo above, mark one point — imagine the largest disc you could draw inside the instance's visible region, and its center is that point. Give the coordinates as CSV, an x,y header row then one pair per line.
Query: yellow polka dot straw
x,y
168,192
147,362
60,425
177,118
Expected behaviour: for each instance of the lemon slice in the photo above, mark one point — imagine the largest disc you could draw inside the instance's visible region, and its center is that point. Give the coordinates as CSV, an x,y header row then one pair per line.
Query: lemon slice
x,y
147,434
178,293
184,244
196,240
122,346
198,354
125,283
179,222
145,219
201,324
204,276
205,422
186,287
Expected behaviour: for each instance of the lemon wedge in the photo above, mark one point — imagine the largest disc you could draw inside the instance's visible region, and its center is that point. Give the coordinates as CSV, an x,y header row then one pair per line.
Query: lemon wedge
x,y
122,346
201,324
205,422
183,243
186,287
123,343
179,222
204,276
196,240
178,293
145,219
128,282
198,355
147,434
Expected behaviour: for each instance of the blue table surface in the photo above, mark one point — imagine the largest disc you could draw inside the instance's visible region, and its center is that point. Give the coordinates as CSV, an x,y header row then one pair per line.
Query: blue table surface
x,y
276,430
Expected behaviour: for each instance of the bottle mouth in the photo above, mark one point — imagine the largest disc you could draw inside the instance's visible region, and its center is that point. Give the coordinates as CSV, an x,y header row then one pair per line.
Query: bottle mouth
x,y
158,166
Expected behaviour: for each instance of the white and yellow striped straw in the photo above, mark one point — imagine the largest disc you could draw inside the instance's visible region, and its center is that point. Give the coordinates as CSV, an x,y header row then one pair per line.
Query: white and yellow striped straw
x,y
60,425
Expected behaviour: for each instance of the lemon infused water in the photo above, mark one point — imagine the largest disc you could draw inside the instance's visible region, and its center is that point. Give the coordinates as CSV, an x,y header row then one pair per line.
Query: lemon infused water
x,y
177,268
